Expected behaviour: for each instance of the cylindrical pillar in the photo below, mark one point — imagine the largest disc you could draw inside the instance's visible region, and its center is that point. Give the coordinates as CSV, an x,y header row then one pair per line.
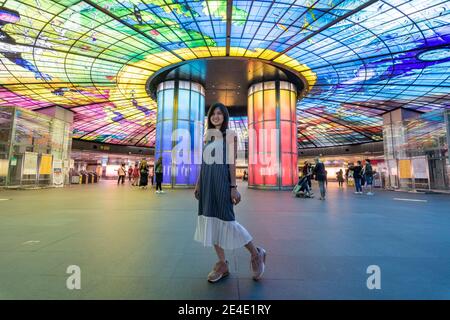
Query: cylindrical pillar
x,y
272,144
179,131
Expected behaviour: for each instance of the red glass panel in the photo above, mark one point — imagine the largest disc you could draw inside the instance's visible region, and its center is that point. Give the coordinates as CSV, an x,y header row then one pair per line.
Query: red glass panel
x,y
286,165
257,175
294,137
286,135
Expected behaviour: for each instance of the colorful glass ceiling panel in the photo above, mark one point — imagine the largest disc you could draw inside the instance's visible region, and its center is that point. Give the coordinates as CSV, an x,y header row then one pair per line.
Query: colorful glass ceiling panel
x,y
359,58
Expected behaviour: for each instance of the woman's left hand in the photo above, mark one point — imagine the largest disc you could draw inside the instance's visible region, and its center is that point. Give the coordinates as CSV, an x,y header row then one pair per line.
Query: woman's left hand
x,y
235,196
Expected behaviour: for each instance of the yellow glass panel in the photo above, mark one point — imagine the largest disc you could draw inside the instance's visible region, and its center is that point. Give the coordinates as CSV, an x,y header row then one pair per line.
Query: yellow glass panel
x,y
250,109
285,105
269,105
258,106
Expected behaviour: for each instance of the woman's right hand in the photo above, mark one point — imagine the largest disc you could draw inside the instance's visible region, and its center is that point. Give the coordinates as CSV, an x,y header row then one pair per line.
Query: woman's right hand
x,y
197,192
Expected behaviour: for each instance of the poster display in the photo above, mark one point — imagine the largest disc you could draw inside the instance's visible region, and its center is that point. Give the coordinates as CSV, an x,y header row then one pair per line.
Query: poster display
x,y
58,176
404,169
392,164
420,168
4,167
46,164
30,163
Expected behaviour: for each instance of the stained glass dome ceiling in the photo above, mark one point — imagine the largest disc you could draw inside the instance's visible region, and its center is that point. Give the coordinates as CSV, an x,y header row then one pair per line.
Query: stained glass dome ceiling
x,y
360,58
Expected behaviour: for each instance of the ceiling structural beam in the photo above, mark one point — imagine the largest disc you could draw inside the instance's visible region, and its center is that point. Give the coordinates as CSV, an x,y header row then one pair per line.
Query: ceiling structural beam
x,y
304,136
354,104
198,27
387,55
99,8
328,25
341,124
108,124
229,15
152,129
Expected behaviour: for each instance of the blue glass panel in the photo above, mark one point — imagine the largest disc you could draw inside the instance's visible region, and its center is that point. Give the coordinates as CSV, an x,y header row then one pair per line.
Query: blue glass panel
x,y
183,104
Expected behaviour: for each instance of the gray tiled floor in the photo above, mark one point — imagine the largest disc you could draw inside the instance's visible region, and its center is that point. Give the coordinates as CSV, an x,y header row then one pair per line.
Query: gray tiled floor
x,y
134,244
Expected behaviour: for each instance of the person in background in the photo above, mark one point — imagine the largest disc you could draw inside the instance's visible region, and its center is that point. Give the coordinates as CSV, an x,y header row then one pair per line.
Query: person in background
x,y
368,175
363,179
130,173
152,177
121,172
143,173
306,171
340,178
245,176
321,177
159,175
135,175
357,177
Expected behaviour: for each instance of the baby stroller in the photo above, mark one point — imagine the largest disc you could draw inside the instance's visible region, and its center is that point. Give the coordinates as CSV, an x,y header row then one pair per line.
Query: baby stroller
x,y
302,188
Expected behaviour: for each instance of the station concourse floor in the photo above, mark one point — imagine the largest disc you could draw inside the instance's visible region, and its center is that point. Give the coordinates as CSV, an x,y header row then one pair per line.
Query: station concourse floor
x,y
134,244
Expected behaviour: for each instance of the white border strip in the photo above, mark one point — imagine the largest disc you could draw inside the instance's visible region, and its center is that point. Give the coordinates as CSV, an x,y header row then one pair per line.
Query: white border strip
x,y
414,200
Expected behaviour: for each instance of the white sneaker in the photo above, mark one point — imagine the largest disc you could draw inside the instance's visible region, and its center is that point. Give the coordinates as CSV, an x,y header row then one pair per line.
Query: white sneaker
x,y
370,193
157,191
258,264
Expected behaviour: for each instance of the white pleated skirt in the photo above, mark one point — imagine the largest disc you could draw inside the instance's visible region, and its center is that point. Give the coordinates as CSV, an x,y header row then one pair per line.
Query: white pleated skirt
x,y
228,235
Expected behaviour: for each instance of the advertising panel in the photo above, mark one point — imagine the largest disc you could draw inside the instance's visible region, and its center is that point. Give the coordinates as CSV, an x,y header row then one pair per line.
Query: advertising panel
x,y
30,163
58,176
46,164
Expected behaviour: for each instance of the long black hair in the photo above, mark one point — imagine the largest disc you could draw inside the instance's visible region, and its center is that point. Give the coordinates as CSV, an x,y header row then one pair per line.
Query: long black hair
x,y
226,116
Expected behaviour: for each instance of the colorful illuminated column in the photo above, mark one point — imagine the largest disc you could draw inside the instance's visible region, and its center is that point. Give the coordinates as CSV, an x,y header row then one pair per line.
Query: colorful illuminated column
x,y
272,143
179,131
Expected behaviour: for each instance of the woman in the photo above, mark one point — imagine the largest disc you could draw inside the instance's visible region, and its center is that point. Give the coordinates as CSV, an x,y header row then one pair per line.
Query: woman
x,y
130,173
321,176
216,191
307,172
159,175
135,175
121,172
357,177
340,178
143,170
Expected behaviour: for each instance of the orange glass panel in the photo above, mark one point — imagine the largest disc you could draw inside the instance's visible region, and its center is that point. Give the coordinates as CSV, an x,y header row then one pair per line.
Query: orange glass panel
x,y
250,109
269,105
258,106
285,105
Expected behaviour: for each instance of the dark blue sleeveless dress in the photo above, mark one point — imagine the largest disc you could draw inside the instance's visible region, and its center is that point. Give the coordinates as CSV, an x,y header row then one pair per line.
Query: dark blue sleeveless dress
x,y
216,222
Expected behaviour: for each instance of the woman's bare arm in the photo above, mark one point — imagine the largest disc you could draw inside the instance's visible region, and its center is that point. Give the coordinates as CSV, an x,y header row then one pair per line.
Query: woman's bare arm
x,y
235,196
232,164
